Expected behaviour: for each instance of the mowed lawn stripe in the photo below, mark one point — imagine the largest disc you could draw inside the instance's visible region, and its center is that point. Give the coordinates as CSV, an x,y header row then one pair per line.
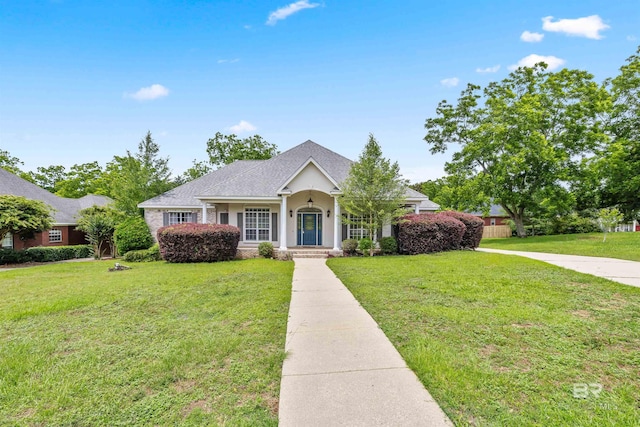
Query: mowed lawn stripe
x,y
160,344
507,341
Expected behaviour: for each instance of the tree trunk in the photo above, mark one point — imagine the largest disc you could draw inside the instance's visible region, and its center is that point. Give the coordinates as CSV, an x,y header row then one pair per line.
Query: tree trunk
x,y
520,231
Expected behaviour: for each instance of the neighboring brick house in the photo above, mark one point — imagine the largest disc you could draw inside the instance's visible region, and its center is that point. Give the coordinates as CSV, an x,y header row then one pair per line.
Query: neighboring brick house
x,y
290,200
497,216
65,215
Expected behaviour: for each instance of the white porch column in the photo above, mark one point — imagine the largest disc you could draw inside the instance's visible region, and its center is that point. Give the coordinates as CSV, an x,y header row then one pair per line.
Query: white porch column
x,y
204,212
337,225
283,224
417,211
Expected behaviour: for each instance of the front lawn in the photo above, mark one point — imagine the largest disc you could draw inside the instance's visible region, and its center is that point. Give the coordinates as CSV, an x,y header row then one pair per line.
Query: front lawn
x,y
160,344
618,245
507,341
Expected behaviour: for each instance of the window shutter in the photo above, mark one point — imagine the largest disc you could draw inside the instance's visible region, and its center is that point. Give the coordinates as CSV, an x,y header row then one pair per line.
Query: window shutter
x,y
240,217
345,231
165,219
194,217
379,234
274,226
224,218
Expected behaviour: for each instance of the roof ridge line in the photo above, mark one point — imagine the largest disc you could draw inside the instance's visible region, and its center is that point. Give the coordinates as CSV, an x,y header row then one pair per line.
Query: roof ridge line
x,y
255,164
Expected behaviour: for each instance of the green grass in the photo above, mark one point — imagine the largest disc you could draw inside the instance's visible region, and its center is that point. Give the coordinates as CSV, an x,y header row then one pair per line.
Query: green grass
x,y
501,341
618,245
160,344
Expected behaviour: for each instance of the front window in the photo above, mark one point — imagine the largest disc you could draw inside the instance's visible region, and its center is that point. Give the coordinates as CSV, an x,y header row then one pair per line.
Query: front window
x,y
356,229
7,241
180,217
55,236
257,224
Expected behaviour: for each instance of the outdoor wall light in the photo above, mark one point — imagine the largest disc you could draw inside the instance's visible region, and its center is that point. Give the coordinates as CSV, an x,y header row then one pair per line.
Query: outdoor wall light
x,y
328,213
290,213
310,202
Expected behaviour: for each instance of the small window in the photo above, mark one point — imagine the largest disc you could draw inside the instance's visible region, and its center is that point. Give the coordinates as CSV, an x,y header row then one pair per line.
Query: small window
x,y
55,236
7,241
257,224
180,217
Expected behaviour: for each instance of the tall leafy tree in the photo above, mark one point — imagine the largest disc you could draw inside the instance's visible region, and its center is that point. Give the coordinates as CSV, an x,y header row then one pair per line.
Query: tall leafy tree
x,y
19,215
137,177
374,192
522,138
196,170
82,179
619,167
10,163
225,149
49,177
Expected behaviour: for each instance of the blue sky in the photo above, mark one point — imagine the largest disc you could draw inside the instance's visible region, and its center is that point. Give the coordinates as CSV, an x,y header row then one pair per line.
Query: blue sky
x,y
85,80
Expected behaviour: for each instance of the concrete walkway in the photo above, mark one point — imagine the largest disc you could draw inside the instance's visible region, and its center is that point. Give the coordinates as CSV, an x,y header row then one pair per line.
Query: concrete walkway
x,y
618,270
341,370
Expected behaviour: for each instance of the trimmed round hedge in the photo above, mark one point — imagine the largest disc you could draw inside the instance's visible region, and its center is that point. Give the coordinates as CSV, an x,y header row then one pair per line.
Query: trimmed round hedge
x,y
192,242
473,231
132,234
426,233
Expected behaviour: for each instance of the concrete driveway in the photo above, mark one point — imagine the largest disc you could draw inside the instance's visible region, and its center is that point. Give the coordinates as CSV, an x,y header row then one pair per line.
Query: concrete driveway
x,y
618,270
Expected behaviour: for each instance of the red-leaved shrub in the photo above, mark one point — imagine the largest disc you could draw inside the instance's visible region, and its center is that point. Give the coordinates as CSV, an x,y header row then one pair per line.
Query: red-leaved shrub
x,y
190,242
473,233
424,233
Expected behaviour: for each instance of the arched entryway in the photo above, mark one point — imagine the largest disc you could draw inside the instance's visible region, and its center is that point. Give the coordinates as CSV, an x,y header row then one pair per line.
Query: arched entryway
x,y
309,228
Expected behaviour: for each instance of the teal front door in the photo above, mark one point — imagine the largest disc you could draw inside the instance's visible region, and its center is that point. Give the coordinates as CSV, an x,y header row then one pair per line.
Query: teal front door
x,y
309,229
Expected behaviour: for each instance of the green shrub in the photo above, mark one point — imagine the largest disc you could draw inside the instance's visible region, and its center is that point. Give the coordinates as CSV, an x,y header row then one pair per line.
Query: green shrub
x,y
265,249
191,242
349,246
388,246
365,244
58,253
143,255
573,224
11,256
132,234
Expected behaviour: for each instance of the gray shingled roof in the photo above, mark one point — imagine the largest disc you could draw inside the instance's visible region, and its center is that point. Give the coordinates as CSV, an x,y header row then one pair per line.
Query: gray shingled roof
x,y
494,210
257,178
66,209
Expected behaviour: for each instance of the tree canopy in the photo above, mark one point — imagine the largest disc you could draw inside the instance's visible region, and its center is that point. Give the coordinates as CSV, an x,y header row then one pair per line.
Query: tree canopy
x,y
619,165
134,178
374,192
225,149
522,138
19,215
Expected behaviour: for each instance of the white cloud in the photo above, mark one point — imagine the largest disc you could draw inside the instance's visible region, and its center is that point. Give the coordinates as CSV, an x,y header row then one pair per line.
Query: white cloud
x,y
228,61
529,61
493,69
589,26
154,91
242,127
529,37
450,82
285,12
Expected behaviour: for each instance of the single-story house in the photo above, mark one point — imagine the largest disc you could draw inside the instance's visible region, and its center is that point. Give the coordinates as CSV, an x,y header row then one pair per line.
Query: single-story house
x,y
65,213
290,200
496,216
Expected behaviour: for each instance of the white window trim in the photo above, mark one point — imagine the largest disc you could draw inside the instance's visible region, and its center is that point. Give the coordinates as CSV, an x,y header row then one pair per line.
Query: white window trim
x,y
354,231
55,235
7,241
257,228
181,217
